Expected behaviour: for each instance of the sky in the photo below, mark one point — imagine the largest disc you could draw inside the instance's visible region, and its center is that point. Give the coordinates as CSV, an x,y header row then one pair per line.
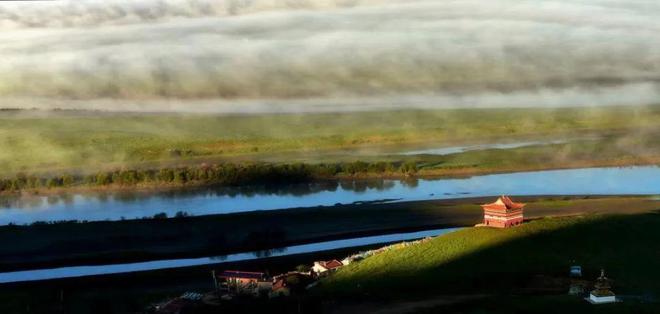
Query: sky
x,y
327,55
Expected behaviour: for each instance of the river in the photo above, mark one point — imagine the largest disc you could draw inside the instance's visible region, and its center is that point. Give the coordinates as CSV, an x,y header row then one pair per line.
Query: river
x,y
461,149
115,206
79,271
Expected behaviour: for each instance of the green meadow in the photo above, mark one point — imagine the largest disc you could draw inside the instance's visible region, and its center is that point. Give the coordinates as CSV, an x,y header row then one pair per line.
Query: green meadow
x,y
60,141
474,270
502,265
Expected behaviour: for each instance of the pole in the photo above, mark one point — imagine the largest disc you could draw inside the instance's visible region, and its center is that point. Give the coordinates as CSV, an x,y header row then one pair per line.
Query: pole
x,y
215,281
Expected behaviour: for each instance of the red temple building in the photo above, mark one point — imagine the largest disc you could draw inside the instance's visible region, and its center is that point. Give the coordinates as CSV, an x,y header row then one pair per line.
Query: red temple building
x,y
503,213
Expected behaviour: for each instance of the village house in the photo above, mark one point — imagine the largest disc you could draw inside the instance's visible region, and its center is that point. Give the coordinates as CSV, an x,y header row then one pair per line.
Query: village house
x,y
291,282
280,288
322,267
243,282
503,213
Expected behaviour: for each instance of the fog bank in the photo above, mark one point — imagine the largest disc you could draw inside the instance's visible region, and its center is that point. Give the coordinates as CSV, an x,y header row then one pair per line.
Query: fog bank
x,y
314,55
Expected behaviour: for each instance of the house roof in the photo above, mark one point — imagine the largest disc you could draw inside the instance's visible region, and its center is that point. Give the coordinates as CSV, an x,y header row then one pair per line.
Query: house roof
x,y
241,274
280,283
290,280
503,203
331,264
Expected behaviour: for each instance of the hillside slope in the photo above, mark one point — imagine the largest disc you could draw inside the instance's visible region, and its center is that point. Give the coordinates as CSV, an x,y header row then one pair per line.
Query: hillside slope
x,y
532,259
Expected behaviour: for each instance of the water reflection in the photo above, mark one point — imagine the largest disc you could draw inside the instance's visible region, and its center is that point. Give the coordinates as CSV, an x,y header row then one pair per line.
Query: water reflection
x,y
410,182
295,190
269,252
114,206
218,258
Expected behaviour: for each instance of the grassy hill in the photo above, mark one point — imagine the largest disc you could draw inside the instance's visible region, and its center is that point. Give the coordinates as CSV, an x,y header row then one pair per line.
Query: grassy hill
x,y
520,269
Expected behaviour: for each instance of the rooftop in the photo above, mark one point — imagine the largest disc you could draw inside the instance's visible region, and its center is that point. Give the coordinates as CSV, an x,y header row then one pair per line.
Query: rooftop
x,y
331,264
503,203
280,283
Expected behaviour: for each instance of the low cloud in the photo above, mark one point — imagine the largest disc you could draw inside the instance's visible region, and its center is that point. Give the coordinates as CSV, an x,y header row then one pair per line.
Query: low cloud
x,y
191,55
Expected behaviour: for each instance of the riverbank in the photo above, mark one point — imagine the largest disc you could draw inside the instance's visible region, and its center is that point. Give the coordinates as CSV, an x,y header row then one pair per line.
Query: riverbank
x,y
421,168
109,206
192,151
532,275
104,242
132,292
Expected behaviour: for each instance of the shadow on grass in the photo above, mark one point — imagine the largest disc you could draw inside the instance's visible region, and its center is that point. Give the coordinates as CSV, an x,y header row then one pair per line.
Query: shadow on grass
x,y
532,259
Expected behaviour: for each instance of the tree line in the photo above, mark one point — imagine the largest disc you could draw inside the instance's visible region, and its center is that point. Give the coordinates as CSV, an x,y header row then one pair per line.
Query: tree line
x,y
226,174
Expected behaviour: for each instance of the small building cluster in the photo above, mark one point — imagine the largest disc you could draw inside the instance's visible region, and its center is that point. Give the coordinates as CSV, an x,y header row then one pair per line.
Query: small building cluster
x,y
242,282
230,284
323,267
290,283
233,283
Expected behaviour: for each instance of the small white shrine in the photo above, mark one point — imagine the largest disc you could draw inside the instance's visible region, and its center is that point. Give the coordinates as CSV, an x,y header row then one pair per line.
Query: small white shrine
x,y
602,293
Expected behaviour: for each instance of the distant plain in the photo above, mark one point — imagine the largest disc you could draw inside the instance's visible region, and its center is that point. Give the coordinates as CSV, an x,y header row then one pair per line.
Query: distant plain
x,y
36,141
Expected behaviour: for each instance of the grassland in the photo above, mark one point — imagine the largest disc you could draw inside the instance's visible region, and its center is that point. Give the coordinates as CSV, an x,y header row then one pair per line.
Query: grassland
x,y
73,141
48,245
476,270
520,270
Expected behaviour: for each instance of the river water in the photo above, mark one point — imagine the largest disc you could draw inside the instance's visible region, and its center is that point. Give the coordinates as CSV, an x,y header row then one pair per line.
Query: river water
x,y
461,149
114,206
79,271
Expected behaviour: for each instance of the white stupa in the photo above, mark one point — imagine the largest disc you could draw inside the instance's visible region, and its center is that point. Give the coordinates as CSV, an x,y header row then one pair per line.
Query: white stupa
x,y
602,293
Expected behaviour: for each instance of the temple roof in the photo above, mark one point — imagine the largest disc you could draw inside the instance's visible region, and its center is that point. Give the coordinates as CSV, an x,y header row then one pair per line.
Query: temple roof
x,y
503,203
